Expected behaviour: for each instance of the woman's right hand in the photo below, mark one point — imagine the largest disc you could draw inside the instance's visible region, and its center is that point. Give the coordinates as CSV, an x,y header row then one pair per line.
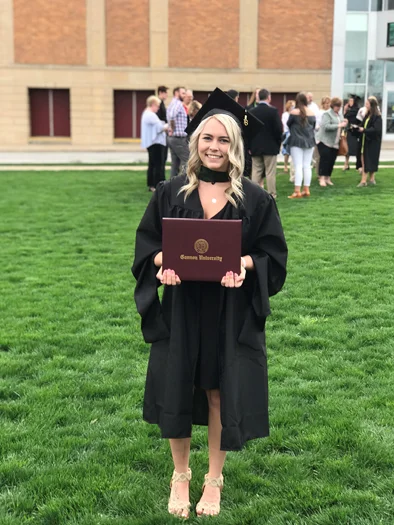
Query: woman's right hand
x,y
168,277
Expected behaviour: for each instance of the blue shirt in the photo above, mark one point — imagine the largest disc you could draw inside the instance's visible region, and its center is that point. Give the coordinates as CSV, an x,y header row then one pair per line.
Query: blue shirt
x,y
152,131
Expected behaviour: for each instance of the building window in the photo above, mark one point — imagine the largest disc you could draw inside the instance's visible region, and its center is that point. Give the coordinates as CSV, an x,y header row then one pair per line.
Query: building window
x,y
375,79
358,5
390,34
49,112
356,48
390,5
128,108
376,5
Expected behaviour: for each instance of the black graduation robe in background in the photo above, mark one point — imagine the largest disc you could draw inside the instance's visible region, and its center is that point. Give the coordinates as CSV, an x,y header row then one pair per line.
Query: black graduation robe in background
x,y
373,142
171,400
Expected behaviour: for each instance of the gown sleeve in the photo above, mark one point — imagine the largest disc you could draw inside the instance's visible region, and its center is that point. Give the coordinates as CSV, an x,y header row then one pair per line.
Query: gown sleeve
x,y
269,254
147,245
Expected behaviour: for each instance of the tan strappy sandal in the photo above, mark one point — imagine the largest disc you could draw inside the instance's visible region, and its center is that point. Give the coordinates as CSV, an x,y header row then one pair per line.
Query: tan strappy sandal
x,y
204,506
177,506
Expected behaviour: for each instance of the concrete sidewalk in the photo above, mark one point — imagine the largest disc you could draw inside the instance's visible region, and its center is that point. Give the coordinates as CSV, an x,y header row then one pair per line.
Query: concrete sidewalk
x,y
135,155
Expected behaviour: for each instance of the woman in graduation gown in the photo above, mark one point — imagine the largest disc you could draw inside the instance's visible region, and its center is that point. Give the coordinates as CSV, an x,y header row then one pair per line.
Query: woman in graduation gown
x,y
371,142
208,361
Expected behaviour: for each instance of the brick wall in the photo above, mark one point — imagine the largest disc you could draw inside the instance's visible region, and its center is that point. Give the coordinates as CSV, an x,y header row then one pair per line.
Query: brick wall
x,y
50,32
295,35
127,26
204,34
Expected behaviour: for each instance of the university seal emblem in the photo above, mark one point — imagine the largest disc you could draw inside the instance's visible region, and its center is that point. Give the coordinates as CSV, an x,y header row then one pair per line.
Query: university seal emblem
x,y
201,246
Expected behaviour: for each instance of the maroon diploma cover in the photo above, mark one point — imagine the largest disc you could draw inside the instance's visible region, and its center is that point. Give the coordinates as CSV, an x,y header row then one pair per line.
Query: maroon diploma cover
x,y
202,249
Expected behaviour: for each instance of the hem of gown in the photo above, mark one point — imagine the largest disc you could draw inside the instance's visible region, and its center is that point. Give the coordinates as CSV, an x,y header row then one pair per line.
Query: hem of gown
x,y
223,446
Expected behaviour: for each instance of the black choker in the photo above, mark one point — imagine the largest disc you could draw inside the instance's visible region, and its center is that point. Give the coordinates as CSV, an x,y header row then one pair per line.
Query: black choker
x,y
212,176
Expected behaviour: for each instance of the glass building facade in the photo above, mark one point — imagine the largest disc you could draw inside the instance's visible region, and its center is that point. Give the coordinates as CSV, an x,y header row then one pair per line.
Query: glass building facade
x,y
369,55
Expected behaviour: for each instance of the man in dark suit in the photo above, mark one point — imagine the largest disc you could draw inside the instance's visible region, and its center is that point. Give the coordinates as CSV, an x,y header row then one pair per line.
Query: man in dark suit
x,y
162,94
265,146
162,114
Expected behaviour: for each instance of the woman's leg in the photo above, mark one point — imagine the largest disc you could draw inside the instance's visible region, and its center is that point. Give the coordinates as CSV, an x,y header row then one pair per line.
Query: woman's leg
x,y
151,164
157,163
333,158
372,177
323,163
286,168
363,181
216,456
180,450
306,166
297,156
346,166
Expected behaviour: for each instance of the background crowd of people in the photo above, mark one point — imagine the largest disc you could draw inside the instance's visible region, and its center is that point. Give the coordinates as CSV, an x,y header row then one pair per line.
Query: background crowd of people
x,y
308,136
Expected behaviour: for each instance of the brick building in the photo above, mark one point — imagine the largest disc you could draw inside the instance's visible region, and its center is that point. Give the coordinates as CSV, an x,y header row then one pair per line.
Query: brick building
x,y
77,73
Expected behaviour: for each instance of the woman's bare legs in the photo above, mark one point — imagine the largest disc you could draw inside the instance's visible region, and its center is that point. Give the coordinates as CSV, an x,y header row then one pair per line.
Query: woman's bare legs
x,y
180,450
216,456
286,166
363,181
346,166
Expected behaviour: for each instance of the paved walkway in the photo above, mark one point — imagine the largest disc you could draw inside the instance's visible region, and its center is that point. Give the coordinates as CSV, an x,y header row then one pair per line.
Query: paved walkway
x,y
100,159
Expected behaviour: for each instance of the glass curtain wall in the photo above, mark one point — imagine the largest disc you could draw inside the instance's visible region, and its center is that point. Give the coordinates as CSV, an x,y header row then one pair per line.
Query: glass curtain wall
x,y
356,54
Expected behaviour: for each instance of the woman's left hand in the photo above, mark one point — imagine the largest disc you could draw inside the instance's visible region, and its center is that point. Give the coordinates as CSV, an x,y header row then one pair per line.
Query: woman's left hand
x,y
233,280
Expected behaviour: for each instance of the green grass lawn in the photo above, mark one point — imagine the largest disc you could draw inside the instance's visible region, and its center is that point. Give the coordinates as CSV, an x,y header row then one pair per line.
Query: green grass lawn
x,y
73,446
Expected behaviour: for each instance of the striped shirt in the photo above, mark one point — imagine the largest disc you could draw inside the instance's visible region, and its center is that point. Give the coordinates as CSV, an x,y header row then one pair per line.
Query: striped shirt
x,y
177,113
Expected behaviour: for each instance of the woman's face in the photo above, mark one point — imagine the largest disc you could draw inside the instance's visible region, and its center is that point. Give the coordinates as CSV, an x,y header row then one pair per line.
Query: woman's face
x,y
213,146
326,104
351,102
368,105
336,109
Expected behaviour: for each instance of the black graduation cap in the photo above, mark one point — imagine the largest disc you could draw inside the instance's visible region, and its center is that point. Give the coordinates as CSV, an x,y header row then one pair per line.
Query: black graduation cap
x,y
220,103
356,98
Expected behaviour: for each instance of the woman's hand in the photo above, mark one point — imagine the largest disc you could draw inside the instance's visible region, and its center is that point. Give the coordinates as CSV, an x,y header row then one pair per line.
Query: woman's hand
x,y
233,280
168,277
361,130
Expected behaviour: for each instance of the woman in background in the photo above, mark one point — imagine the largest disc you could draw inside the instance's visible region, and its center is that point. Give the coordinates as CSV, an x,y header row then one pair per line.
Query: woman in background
x,y
371,141
302,122
350,112
327,139
290,105
324,106
254,99
194,108
153,137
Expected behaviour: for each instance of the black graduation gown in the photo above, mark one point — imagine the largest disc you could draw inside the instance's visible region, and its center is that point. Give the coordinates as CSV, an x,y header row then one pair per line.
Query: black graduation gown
x,y
373,142
172,327
352,135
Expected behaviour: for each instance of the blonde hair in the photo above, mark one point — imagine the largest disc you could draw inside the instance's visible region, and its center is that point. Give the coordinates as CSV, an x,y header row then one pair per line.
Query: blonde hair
x,y
252,98
152,100
289,104
193,108
236,158
324,100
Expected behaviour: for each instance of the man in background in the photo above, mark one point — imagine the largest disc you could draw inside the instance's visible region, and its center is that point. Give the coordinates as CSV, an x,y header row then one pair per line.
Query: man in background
x,y
233,94
265,146
312,105
177,142
162,94
162,114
